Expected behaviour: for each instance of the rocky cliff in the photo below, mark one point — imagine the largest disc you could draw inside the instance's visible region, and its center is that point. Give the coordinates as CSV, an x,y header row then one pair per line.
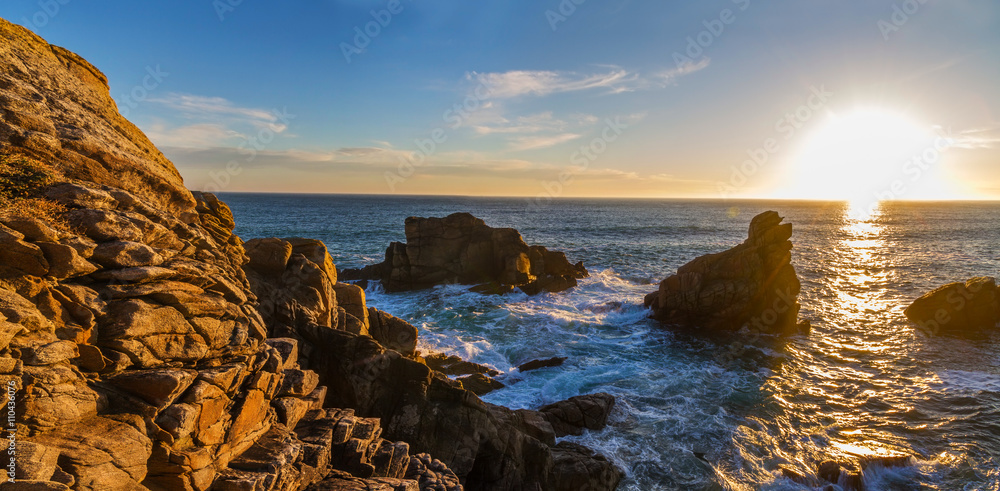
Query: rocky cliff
x,y
751,285
461,248
147,347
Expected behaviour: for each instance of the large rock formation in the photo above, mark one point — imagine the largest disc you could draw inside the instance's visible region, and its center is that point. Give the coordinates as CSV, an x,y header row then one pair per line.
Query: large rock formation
x,y
140,356
752,284
958,308
376,371
461,248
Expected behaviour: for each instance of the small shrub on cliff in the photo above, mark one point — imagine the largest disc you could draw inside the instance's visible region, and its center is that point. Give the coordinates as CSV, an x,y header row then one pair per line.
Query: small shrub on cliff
x,y
22,183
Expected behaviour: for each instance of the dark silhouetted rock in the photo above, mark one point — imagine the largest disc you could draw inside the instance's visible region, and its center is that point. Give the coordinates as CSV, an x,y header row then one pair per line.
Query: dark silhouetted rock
x,y
958,308
461,248
752,284
537,364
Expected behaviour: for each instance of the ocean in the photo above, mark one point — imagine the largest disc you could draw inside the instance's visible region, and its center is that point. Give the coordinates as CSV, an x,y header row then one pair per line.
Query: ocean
x,y
685,419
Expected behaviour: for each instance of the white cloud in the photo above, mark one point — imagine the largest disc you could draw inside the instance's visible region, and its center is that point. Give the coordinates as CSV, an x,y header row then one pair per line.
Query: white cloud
x,y
669,77
541,141
518,83
977,138
195,121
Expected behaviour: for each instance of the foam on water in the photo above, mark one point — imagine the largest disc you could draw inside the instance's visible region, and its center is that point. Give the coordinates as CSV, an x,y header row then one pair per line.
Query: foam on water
x,y
684,421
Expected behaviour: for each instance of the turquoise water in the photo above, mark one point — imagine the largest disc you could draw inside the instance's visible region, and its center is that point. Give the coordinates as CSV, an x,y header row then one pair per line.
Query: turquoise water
x,y
862,378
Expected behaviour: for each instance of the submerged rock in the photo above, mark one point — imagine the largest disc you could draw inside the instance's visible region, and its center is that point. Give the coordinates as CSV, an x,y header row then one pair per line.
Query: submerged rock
x,y
752,284
538,364
461,248
958,308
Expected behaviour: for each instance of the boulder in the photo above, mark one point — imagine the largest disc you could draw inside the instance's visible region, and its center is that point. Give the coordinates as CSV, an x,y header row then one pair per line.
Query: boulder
x,y
480,384
958,308
752,285
123,254
538,364
461,248
392,332
572,416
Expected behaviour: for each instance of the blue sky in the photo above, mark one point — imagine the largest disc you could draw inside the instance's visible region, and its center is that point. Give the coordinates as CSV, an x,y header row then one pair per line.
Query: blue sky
x,y
587,99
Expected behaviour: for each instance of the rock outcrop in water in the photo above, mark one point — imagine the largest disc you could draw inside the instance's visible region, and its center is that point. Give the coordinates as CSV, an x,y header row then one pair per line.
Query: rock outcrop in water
x,y
752,284
461,248
148,348
958,308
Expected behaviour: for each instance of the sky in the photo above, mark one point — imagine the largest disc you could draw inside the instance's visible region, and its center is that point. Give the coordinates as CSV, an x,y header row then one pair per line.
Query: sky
x,y
555,98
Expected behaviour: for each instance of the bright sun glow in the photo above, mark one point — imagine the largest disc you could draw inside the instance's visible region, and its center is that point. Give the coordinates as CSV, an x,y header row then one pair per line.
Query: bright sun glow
x,y
870,155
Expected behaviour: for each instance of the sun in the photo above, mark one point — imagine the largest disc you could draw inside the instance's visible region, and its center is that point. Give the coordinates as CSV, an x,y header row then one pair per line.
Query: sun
x,y
869,155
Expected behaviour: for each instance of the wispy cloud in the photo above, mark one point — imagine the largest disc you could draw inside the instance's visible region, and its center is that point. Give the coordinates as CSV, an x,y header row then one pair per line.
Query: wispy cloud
x,y
517,83
984,137
520,83
196,121
669,77
542,141
533,123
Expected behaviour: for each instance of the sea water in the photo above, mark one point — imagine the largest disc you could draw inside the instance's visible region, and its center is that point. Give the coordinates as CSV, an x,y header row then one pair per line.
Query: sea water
x,y
686,418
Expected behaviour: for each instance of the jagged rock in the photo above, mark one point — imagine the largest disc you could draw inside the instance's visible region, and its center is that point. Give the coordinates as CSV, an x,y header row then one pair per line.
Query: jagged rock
x,y
301,291
288,348
537,364
50,354
845,474
461,248
102,453
268,256
19,256
123,254
752,284
78,196
55,396
432,474
480,384
151,371
453,365
35,462
577,467
298,382
352,299
64,261
572,416
159,388
33,229
958,308
104,226
392,332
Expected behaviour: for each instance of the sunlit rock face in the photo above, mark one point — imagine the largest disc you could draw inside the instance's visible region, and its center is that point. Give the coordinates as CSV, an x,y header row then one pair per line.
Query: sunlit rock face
x,y
958,308
752,285
461,248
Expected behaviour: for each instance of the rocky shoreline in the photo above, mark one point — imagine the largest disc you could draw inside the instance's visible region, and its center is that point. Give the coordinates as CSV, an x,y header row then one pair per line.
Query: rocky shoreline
x,y
149,347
